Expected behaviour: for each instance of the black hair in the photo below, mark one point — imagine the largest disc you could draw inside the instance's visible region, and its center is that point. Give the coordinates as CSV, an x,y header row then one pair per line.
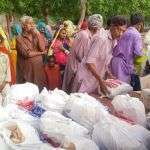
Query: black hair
x,y
51,57
118,21
136,18
108,22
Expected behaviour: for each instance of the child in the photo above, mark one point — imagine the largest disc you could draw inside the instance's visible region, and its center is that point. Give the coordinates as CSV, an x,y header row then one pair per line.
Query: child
x,y
53,74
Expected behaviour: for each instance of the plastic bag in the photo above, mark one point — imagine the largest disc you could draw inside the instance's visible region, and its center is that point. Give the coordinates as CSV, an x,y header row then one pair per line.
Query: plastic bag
x,y
37,111
141,134
26,104
84,109
115,134
118,88
49,147
14,112
21,92
54,124
53,100
28,133
130,107
3,145
61,93
81,143
4,116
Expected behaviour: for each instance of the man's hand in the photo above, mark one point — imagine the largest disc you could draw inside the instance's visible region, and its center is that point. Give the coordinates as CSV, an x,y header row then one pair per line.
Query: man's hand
x,y
103,88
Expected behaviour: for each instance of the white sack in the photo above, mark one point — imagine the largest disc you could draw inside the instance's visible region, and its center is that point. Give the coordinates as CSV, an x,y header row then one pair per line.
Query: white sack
x,y
3,145
14,112
84,109
55,124
81,143
112,133
131,108
21,91
30,134
121,88
53,100
4,116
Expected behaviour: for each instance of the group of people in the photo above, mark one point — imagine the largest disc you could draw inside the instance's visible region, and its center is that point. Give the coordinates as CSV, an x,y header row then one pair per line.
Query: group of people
x,y
75,60
25,56
99,54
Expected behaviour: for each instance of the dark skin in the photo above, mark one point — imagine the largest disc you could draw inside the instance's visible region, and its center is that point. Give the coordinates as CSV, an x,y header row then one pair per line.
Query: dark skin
x,y
116,33
92,69
51,62
62,36
139,26
30,28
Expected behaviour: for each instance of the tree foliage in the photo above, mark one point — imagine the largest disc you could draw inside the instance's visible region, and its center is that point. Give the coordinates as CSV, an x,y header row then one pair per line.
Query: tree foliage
x,y
71,8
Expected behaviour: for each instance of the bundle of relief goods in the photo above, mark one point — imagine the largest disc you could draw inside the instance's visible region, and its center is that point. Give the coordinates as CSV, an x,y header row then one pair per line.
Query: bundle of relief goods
x,y
81,143
131,108
20,92
49,147
72,143
3,145
19,135
53,100
115,134
14,112
4,116
84,109
116,87
54,124
26,104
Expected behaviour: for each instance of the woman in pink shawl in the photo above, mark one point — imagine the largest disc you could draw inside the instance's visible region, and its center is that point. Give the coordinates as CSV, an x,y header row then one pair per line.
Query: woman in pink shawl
x,y
77,53
94,68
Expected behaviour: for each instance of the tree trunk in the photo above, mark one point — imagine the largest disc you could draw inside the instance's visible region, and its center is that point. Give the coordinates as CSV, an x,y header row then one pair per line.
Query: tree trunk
x,y
82,11
8,25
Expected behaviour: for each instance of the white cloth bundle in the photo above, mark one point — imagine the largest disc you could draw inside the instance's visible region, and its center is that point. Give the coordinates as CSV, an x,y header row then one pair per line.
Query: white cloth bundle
x,y
84,109
131,108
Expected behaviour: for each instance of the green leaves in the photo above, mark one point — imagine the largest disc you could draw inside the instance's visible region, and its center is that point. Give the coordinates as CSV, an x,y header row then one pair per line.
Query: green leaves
x,y
70,9
119,7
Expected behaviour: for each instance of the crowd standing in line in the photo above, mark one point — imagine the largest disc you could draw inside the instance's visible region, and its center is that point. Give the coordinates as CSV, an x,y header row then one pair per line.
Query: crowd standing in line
x,y
80,59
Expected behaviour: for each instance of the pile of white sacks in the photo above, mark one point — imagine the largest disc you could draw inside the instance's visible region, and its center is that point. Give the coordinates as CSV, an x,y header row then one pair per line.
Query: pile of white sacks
x,y
71,122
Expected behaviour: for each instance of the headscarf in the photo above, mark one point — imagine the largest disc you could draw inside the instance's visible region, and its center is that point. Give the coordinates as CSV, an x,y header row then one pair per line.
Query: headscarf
x,y
40,26
95,21
16,30
70,28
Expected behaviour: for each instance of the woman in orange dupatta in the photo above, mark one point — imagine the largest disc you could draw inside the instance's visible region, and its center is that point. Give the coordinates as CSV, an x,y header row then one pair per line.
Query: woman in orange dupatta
x,y
4,47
